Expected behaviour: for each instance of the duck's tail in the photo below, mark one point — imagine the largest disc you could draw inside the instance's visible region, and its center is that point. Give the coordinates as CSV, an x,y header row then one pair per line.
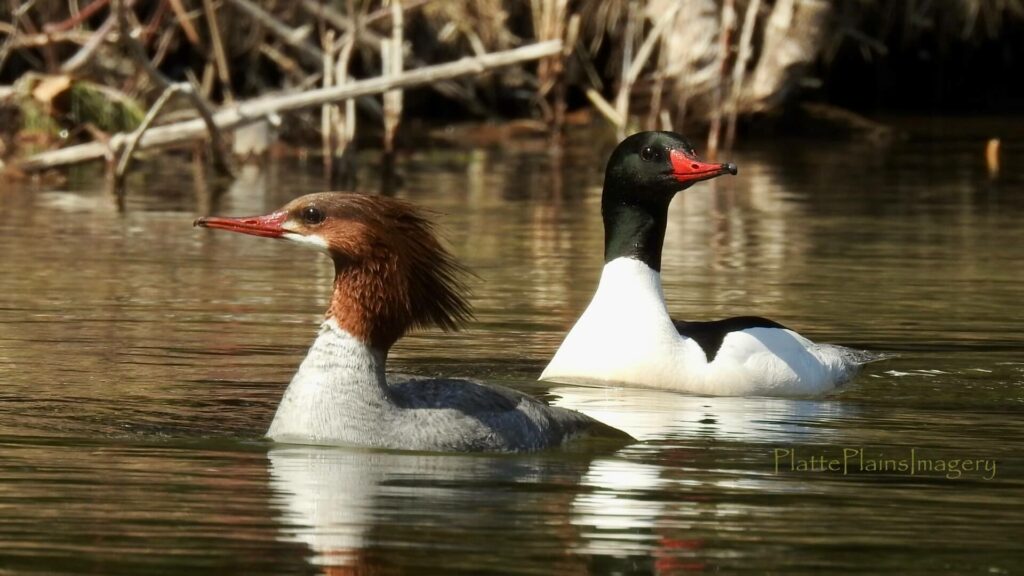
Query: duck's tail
x,y
848,362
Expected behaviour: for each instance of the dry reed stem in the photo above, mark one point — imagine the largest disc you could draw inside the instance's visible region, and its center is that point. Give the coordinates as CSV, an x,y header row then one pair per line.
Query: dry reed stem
x,y
337,131
640,60
184,22
75,19
633,65
86,52
724,40
385,12
604,107
206,84
346,128
38,40
133,139
253,110
561,89
220,155
24,17
391,65
550,22
372,40
284,62
739,70
163,46
289,36
656,90
220,58
625,87
326,126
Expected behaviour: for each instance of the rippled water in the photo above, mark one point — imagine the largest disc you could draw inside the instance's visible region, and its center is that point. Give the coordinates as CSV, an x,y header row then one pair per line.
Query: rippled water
x,y
141,360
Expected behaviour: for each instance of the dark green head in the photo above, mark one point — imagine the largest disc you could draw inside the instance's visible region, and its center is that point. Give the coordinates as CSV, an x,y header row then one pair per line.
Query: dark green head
x,y
643,175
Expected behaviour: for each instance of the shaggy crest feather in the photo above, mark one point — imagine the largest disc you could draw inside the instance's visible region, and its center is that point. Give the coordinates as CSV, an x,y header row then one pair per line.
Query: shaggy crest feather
x,y
391,272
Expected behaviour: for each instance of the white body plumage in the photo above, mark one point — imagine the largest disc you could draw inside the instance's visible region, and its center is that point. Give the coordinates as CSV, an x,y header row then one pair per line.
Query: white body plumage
x,y
626,336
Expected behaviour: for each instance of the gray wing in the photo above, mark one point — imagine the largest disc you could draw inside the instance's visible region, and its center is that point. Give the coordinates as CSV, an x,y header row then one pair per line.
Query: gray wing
x,y
462,395
494,414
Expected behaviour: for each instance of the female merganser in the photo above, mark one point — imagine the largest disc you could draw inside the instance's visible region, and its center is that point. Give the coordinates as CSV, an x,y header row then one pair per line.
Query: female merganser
x,y
626,335
391,274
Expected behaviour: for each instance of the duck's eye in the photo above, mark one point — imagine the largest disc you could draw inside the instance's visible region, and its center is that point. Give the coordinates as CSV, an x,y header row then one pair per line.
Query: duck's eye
x,y
648,154
312,215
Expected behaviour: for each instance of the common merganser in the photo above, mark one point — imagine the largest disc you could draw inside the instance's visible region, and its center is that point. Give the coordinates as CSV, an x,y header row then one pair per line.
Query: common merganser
x,y
626,335
391,274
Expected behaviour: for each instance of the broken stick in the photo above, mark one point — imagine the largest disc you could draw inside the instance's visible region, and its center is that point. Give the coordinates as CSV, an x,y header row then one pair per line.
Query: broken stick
x,y
254,110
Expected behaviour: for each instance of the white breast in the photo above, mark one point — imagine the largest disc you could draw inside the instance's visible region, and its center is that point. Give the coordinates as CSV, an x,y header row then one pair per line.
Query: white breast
x,y
338,395
625,334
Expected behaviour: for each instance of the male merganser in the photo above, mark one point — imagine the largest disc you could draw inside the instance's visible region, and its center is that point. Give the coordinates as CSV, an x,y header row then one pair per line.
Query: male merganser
x,y
626,335
391,274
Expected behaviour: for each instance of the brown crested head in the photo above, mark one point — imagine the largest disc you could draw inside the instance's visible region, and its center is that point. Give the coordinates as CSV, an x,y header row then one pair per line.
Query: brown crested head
x,y
391,272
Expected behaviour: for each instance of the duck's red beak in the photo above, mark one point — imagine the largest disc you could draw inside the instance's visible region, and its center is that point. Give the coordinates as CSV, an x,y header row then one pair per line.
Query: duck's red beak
x,y
687,168
269,226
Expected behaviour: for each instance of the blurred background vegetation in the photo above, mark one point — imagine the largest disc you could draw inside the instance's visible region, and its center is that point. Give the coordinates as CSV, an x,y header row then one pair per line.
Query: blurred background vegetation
x,y
726,67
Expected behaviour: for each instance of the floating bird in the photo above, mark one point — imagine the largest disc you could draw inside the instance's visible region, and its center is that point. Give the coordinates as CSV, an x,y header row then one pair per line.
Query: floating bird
x,y
392,274
626,335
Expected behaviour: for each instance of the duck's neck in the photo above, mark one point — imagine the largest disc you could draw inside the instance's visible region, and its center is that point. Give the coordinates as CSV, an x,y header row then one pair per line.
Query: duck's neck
x,y
339,392
634,228
371,302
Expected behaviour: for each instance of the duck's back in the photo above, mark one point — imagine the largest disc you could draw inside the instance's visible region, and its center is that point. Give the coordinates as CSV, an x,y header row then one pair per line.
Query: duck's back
x,y
461,415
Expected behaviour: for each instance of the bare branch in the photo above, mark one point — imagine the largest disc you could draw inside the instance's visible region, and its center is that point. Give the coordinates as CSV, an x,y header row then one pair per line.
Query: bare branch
x,y
391,65
181,15
134,137
291,37
220,155
86,52
253,110
219,56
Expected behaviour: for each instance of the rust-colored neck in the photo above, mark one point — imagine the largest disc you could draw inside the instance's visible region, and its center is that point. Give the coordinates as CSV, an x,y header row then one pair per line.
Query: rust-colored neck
x,y
370,301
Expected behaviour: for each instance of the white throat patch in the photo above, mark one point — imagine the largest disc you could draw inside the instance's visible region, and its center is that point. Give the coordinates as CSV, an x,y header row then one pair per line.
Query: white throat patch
x,y
314,241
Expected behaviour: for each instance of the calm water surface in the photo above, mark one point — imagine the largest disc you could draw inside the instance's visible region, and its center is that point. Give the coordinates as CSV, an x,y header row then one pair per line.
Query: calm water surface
x,y
141,361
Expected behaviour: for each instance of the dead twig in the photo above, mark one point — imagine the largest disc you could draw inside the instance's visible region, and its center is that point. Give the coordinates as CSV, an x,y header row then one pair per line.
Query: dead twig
x,y
75,20
254,110
162,46
739,70
181,15
39,40
346,129
295,39
632,65
604,107
327,111
724,40
372,40
337,131
24,17
220,156
625,85
384,13
219,56
87,51
133,139
391,65
290,67
549,22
